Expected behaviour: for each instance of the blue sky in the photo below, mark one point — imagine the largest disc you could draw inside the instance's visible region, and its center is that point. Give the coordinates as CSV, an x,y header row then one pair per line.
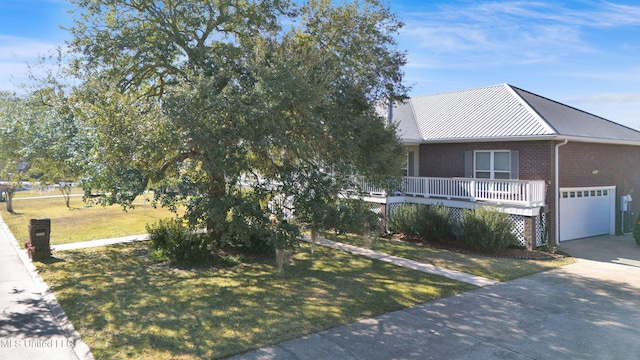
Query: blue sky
x,y
584,53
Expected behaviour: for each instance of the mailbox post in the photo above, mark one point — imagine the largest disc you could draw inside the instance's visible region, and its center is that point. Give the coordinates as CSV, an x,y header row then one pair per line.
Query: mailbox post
x,y
39,244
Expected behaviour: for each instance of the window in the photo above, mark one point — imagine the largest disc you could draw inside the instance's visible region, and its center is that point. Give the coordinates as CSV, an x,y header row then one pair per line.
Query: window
x,y
411,164
493,164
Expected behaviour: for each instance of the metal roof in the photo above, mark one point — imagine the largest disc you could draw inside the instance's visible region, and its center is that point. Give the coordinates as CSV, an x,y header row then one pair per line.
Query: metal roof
x,y
569,121
499,112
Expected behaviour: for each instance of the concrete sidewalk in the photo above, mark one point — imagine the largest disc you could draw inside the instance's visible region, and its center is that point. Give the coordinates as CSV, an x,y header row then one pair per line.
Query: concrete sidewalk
x,y
33,325
410,264
101,242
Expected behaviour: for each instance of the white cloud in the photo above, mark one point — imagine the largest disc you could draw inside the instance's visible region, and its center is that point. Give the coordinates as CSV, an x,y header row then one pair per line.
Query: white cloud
x,y
16,56
609,97
12,48
506,32
628,76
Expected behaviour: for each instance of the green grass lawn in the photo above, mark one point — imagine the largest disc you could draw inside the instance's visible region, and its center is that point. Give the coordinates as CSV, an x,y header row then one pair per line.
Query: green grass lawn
x,y
501,269
80,222
124,305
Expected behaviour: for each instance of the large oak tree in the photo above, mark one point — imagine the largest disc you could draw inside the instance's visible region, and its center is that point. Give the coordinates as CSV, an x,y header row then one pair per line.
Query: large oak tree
x,y
198,95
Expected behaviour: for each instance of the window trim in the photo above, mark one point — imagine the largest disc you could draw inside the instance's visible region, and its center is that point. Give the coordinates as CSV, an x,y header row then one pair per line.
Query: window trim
x,y
492,170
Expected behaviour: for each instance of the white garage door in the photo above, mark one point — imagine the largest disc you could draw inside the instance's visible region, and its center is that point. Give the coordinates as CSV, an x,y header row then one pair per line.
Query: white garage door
x,y
586,212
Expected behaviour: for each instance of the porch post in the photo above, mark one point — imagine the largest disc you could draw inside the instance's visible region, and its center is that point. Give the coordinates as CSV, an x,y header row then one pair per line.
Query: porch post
x,y
426,187
472,190
530,232
384,210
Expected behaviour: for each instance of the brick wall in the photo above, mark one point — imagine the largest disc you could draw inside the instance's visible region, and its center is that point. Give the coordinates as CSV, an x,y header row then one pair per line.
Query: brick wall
x,y
586,164
447,160
536,160
581,164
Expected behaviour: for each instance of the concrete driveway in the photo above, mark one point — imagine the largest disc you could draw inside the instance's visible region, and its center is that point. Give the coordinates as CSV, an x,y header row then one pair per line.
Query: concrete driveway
x,y
587,310
621,250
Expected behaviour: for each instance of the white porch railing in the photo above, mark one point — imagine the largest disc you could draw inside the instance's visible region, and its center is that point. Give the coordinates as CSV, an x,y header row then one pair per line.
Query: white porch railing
x,y
518,192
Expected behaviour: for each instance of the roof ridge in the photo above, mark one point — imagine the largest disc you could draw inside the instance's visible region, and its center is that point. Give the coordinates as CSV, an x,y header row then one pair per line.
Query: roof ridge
x,y
458,91
573,108
544,122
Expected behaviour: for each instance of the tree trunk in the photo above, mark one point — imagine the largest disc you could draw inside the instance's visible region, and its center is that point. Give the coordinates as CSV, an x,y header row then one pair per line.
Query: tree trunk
x,y
66,192
217,188
314,236
10,195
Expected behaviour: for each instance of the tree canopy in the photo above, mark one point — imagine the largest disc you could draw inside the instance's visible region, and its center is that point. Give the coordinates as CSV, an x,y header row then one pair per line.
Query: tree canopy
x,y
200,96
40,140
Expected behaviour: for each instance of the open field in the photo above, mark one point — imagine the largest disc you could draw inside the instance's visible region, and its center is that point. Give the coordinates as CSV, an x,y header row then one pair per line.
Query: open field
x,y
127,306
81,221
48,192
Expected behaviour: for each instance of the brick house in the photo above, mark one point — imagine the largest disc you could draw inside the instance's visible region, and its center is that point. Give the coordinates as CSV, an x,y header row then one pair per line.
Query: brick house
x,y
561,172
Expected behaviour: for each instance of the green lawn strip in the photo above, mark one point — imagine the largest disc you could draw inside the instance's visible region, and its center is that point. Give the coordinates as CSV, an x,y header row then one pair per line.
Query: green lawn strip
x,y
500,269
124,305
81,222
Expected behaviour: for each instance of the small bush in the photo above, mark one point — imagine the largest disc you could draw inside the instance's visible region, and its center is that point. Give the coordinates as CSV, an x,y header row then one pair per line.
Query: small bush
x,y
351,215
248,228
423,221
403,220
251,234
435,223
636,230
485,229
172,240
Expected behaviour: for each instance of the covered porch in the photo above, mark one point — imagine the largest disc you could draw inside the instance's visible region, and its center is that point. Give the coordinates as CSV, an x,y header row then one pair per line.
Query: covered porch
x,y
523,200
521,193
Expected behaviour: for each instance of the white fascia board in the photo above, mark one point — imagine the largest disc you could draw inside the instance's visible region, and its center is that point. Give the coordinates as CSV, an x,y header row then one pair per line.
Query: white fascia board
x,y
533,138
492,139
599,140
412,142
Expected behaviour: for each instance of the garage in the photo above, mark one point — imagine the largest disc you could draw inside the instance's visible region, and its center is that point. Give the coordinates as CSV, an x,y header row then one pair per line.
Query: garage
x,y
587,211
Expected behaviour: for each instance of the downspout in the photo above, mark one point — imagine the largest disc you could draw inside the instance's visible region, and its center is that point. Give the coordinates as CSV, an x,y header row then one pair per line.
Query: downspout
x,y
557,190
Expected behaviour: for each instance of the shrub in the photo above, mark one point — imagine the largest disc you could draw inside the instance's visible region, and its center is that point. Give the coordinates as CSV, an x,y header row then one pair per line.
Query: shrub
x,y
403,220
636,230
287,236
249,233
434,223
351,215
485,229
422,221
172,240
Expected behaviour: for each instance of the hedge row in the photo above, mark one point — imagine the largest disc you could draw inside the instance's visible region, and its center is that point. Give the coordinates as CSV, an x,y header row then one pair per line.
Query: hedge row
x,y
484,228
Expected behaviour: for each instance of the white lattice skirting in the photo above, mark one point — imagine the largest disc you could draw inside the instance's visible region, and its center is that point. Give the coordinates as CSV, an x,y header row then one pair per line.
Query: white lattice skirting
x,y
517,221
